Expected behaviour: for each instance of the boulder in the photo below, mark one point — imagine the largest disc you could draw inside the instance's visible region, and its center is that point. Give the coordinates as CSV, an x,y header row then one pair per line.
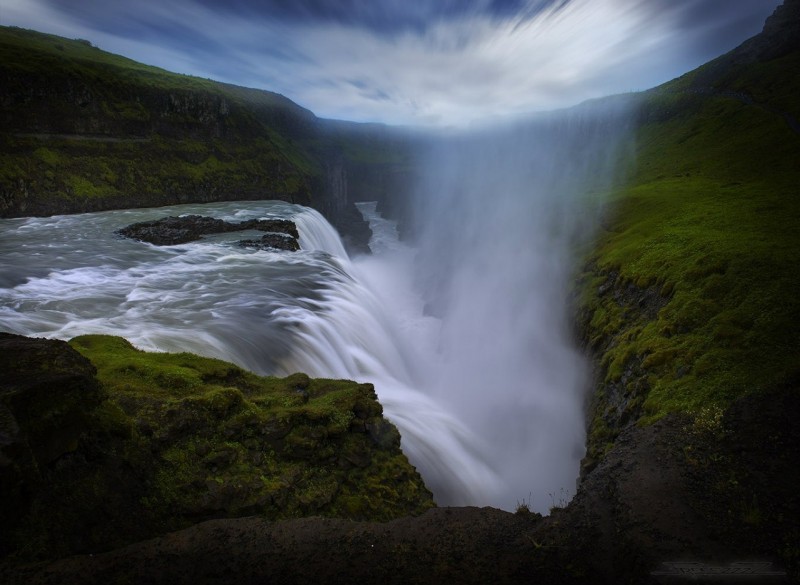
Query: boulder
x,y
46,390
169,231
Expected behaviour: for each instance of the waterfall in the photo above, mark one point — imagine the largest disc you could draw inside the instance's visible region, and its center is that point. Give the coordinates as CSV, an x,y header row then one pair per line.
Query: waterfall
x,y
464,330
501,217
352,332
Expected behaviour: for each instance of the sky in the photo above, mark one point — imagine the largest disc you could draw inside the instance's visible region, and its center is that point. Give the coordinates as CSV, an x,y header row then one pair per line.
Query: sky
x,y
412,62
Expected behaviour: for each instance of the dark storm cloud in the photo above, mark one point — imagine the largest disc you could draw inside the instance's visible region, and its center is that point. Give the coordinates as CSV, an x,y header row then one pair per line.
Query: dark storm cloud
x,y
412,61
384,17
722,24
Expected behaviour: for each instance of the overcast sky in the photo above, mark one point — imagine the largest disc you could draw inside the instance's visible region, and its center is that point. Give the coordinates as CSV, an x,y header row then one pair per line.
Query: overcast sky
x,y
419,62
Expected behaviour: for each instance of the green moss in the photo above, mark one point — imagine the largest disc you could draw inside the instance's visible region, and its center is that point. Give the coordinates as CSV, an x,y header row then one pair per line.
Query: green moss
x,y
83,187
227,440
48,156
695,277
166,440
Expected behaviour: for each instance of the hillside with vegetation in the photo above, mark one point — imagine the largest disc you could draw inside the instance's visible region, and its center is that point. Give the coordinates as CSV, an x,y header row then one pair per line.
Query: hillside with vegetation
x,y
688,302
86,130
689,296
135,444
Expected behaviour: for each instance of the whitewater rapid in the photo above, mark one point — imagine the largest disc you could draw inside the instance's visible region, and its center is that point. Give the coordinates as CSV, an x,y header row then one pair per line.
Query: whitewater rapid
x,y
465,327
275,313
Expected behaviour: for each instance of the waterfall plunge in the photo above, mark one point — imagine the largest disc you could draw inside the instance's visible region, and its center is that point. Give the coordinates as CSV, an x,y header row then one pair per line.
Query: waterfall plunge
x,y
465,329
487,389
498,220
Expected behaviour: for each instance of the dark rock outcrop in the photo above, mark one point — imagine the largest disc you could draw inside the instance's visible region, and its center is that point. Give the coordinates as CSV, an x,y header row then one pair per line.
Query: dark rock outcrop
x,y
781,34
699,495
617,400
169,231
273,241
157,442
47,390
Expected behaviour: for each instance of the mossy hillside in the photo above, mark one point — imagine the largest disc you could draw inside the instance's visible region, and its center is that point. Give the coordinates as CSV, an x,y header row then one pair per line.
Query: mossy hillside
x,y
32,51
83,129
60,174
181,438
690,295
767,84
245,424
38,53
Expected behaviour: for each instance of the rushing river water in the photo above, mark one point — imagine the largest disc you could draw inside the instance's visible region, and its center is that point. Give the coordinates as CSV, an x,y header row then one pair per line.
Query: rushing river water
x,y
466,333
274,313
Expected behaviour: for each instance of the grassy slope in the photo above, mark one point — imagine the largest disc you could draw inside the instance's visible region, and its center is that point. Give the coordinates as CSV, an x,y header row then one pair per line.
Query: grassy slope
x,y
102,131
316,452
166,140
175,439
704,231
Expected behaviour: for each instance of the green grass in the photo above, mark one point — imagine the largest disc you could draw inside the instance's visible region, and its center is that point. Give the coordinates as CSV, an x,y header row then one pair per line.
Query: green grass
x,y
707,220
35,52
770,83
177,438
84,129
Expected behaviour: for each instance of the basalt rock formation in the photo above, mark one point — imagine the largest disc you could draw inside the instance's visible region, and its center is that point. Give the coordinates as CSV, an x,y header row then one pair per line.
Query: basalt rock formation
x,y
102,445
169,231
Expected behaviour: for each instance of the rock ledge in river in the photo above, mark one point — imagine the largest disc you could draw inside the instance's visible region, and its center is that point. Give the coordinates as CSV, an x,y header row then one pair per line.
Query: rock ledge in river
x,y
169,231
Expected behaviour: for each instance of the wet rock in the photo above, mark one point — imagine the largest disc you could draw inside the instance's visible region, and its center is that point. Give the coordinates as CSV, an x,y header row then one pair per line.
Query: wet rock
x,y
273,241
383,434
169,231
45,388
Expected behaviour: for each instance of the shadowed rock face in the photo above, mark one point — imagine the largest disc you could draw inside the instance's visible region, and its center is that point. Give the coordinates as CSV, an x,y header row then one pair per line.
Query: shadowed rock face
x,y
169,231
663,495
154,442
46,391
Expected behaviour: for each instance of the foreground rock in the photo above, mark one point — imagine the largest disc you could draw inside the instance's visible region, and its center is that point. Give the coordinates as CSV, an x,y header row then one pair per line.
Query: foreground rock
x,y
679,493
169,231
158,442
46,392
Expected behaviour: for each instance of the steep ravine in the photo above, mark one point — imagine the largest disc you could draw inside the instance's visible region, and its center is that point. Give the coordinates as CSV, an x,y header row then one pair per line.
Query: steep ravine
x,y
688,304
672,492
84,130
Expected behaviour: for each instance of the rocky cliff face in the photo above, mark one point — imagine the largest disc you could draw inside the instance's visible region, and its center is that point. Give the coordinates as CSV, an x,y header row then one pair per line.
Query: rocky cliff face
x,y
54,103
83,130
102,445
365,162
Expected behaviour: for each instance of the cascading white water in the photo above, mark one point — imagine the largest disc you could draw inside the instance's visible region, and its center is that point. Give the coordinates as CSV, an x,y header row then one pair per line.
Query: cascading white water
x,y
464,333
498,218
355,331
271,312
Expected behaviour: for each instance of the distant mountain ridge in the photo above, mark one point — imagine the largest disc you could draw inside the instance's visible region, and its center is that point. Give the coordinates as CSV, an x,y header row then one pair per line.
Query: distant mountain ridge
x,y
85,130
